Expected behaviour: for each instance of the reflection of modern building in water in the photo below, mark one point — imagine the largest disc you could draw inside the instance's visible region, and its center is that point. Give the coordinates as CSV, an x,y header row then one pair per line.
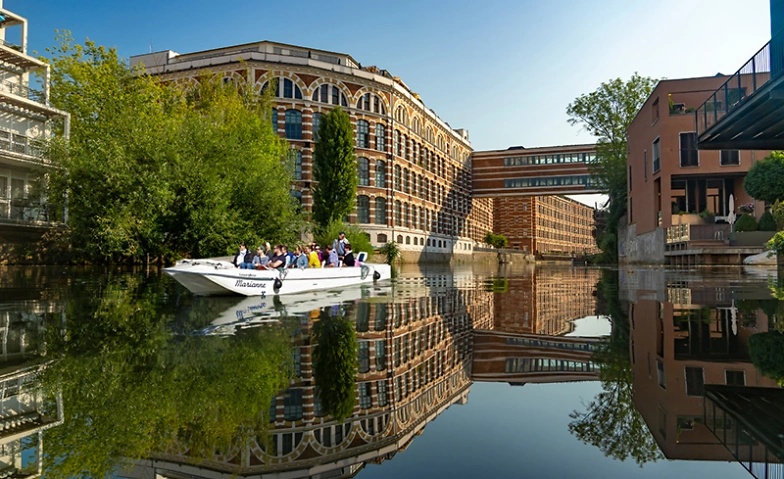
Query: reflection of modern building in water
x,y
686,335
24,411
414,361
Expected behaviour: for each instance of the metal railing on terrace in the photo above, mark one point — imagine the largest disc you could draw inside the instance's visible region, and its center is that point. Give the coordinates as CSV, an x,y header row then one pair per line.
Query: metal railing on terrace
x,y
764,66
21,144
22,90
684,233
10,45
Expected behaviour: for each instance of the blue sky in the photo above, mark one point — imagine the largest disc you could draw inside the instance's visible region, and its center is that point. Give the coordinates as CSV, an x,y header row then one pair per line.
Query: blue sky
x,y
505,70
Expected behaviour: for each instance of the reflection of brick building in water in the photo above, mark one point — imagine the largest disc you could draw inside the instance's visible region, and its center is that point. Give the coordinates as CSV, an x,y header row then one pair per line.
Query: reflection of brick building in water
x,y
546,301
678,347
414,361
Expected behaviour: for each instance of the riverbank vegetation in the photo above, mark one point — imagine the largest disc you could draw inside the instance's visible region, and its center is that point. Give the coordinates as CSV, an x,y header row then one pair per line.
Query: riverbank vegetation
x,y
158,170
606,114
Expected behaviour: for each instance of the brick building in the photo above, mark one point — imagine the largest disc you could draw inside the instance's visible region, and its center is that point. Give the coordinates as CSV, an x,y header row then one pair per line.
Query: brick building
x,y
670,181
415,172
527,186
545,225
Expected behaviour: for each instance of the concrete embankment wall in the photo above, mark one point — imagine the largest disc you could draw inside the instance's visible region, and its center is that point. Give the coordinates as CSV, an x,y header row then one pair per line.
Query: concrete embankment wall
x,y
647,248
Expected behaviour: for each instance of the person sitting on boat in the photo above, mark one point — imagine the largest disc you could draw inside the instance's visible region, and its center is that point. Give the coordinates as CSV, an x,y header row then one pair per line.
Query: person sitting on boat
x,y
313,258
348,258
332,258
239,258
339,245
268,250
302,258
261,259
278,258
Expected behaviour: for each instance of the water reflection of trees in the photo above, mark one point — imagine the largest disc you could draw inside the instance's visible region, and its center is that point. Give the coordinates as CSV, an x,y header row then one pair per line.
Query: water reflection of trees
x,y
611,421
335,363
132,387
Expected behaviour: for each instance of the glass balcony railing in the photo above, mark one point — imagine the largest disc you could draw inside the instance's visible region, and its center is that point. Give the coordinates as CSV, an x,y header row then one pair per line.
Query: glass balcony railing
x,y
765,65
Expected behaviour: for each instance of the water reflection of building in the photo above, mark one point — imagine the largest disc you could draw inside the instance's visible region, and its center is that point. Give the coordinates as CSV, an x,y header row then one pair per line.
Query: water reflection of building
x,y
414,361
24,411
546,301
686,334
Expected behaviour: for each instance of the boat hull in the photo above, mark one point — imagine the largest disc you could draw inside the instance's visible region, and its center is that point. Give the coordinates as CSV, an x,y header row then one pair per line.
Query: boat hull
x,y
207,277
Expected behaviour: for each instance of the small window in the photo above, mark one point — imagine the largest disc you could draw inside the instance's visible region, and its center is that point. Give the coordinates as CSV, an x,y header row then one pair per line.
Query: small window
x,y
363,171
695,381
381,237
735,378
381,133
730,157
630,178
293,124
656,155
655,111
689,156
381,174
363,209
317,117
363,134
645,164
295,156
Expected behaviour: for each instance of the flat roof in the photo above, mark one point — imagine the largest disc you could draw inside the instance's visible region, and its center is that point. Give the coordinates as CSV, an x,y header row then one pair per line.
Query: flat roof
x,y
517,151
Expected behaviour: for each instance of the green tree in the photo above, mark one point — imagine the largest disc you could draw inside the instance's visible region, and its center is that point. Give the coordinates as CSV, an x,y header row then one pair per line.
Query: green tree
x,y
745,222
334,169
335,363
495,240
360,241
606,114
153,170
611,421
767,353
767,222
765,179
131,388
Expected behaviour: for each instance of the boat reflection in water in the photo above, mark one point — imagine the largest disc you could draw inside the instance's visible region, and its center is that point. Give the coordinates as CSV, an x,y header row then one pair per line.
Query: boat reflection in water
x,y
419,349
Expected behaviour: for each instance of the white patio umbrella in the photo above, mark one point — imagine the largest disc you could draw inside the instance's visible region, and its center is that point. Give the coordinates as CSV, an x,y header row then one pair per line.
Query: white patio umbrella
x,y
731,215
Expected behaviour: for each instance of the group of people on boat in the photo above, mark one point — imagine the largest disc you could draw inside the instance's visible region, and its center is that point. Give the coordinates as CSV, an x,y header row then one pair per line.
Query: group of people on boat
x,y
304,256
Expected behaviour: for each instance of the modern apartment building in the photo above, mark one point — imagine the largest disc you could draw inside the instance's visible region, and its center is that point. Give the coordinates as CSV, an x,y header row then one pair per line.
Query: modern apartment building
x,y
670,181
414,170
26,116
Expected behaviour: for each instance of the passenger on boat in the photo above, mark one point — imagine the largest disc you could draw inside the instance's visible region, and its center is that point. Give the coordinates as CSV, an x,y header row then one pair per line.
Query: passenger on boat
x,y
268,250
260,260
278,258
302,258
339,245
348,258
239,258
332,258
313,258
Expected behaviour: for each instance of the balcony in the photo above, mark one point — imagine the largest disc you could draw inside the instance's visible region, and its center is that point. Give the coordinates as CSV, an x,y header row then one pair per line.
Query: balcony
x,y
746,113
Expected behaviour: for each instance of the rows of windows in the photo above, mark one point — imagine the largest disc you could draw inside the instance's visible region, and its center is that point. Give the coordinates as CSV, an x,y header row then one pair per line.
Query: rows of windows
x,y
330,94
538,343
289,90
550,159
539,182
531,365
371,102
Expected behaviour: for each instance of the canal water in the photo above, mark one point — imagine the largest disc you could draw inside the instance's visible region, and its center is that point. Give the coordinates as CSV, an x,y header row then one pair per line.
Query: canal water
x,y
479,371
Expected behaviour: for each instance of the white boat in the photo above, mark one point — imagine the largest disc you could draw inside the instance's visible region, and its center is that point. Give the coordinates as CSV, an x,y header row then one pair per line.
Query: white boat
x,y
210,277
256,311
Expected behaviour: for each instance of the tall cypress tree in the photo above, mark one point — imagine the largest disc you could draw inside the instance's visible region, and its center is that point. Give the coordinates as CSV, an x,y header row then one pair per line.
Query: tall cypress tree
x,y
334,169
